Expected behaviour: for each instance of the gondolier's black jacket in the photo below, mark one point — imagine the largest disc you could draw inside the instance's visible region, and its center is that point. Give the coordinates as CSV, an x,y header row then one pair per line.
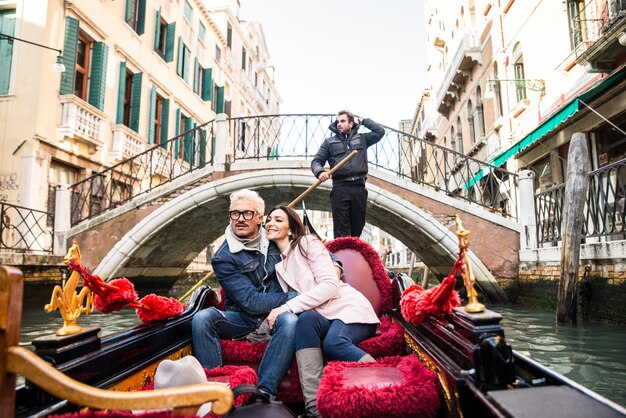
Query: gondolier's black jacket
x,y
336,148
249,280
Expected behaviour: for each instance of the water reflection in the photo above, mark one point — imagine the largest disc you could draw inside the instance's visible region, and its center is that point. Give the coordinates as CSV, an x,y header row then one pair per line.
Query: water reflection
x,y
590,354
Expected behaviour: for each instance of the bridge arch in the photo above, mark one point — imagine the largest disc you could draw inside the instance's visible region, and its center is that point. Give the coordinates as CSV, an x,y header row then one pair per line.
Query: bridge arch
x,y
162,244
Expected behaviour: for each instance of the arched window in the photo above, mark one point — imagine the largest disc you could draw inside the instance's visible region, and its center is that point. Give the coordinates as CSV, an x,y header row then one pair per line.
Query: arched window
x,y
518,69
480,114
459,136
470,121
497,92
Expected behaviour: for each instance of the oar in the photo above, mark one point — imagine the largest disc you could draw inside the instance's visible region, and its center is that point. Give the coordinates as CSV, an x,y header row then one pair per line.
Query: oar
x,y
291,205
318,182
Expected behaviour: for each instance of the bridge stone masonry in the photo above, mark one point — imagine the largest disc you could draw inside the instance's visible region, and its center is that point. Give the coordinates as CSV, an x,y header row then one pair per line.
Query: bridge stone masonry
x,y
155,236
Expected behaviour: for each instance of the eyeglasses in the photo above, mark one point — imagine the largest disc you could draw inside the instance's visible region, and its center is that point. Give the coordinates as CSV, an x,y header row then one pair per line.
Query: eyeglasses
x,y
247,214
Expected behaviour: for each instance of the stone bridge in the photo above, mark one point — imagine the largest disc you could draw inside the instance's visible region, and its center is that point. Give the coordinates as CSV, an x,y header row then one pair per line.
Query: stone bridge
x,y
157,235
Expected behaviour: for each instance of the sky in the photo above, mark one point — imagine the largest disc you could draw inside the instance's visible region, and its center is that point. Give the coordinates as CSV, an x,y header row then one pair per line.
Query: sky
x,y
366,56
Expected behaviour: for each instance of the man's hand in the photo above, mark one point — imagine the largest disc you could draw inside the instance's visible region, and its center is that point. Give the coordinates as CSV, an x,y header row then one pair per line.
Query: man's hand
x,y
323,176
271,318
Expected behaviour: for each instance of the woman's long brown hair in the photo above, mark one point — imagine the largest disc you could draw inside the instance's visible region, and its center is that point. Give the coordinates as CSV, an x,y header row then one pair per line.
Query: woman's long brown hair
x,y
296,226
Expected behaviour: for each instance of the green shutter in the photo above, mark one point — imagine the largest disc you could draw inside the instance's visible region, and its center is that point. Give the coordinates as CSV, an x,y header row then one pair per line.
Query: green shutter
x,y
69,55
202,134
121,92
169,42
220,100
176,145
207,84
135,102
187,148
195,75
129,9
152,115
7,26
186,62
157,29
179,67
165,122
141,18
97,86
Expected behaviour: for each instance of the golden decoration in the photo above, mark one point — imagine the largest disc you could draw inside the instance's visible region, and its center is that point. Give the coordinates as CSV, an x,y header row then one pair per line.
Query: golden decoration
x,y
65,299
473,305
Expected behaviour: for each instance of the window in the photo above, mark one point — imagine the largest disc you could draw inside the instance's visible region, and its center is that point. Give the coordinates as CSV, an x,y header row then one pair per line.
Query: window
x,y
58,174
7,26
158,127
218,54
201,31
160,36
198,77
129,98
459,136
183,123
88,58
497,91
471,121
128,89
184,57
229,36
480,114
135,15
518,69
188,11
576,21
82,67
244,59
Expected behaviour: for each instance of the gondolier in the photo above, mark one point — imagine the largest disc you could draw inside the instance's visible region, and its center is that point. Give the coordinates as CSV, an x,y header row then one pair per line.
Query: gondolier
x,y
349,195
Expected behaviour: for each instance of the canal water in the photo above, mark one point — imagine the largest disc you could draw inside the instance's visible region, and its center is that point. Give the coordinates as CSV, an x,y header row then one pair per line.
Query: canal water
x,y
590,354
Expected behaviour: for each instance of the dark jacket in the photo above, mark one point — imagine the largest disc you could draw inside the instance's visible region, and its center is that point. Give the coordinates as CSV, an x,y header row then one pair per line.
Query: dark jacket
x,y
249,280
336,148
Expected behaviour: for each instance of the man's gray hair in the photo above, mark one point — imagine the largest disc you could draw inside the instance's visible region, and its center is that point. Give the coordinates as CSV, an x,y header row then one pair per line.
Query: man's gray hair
x,y
249,195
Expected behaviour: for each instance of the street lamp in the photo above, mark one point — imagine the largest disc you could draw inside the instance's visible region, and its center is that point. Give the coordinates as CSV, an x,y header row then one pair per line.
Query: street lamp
x,y
531,84
57,66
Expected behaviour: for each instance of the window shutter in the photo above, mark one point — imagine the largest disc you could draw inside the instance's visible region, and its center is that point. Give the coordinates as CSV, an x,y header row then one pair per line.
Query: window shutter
x,y
97,86
169,42
135,102
152,115
157,29
207,84
129,9
69,55
179,69
195,75
187,147
141,18
165,122
176,145
186,64
220,100
121,92
7,26
202,152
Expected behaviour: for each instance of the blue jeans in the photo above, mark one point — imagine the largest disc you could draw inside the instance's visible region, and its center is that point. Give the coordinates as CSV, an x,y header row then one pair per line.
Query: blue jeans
x,y
211,325
340,339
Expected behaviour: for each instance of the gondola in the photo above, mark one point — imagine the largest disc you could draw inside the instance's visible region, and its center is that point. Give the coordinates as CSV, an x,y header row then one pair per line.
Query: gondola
x,y
476,372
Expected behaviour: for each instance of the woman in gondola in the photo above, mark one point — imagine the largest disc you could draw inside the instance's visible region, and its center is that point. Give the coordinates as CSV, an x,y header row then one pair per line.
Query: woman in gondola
x,y
328,308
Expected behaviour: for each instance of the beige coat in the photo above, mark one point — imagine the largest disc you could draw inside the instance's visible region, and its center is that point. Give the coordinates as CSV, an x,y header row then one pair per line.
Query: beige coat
x,y
320,289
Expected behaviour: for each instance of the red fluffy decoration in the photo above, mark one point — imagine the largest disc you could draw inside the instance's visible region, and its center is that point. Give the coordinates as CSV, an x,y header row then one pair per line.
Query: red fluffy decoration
x,y
390,342
110,300
416,394
157,308
418,304
373,259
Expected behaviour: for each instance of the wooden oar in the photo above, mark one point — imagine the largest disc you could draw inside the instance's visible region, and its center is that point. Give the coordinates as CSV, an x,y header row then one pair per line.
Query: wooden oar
x,y
208,276
318,182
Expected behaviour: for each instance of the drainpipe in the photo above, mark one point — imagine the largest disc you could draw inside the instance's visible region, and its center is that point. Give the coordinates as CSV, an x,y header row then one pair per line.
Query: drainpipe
x,y
528,234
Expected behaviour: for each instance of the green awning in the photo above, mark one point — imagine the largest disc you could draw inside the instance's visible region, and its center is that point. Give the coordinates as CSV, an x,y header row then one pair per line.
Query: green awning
x,y
548,125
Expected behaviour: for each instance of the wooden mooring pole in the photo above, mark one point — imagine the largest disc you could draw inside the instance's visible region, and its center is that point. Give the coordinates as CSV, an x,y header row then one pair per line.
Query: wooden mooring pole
x,y
572,216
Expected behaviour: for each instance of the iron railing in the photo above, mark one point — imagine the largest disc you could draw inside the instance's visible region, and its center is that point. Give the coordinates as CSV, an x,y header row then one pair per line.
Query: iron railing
x,y
603,214
23,229
142,173
595,20
295,136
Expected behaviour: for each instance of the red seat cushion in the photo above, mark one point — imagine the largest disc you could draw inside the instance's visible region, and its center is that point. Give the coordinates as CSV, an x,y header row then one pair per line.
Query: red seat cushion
x,y
395,386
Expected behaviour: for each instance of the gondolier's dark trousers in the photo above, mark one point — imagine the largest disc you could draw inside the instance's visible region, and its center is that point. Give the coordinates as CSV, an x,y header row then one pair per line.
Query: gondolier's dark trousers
x,y
349,203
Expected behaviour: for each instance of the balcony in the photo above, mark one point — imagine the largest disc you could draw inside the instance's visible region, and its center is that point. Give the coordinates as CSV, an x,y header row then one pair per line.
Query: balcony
x,y
596,31
126,143
466,57
81,122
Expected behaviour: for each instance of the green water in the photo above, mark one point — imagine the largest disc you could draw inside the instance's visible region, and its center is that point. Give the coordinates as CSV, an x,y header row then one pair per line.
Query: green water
x,y
590,354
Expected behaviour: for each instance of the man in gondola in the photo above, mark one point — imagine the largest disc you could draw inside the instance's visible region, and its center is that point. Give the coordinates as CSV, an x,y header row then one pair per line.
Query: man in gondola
x,y
349,196
244,267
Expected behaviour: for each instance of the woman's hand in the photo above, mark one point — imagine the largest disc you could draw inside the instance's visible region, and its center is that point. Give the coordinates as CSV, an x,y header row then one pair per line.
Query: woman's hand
x,y
271,318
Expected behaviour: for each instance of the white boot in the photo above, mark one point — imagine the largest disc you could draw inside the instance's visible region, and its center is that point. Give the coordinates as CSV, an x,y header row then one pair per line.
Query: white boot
x,y
310,365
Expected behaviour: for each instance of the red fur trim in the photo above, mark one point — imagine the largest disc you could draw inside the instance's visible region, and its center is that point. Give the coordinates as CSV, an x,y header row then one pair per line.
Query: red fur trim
x,y
239,352
157,308
236,376
111,301
416,395
390,342
373,259
418,304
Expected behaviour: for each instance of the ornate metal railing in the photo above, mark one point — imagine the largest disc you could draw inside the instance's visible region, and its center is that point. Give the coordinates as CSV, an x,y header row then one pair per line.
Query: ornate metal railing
x,y
142,173
406,156
295,136
604,212
594,21
23,229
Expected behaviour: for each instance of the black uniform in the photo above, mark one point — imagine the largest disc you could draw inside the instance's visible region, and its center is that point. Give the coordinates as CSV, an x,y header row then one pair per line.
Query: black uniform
x,y
349,195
